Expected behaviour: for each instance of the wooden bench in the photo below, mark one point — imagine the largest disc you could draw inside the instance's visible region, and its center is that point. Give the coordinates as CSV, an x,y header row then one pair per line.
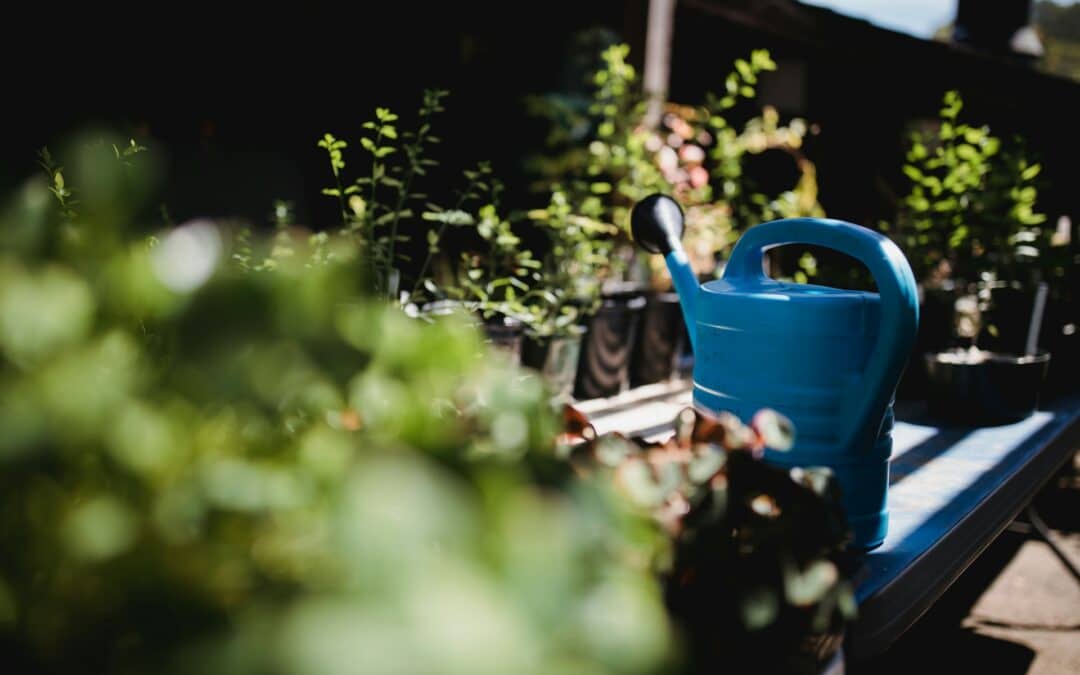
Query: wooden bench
x,y
952,491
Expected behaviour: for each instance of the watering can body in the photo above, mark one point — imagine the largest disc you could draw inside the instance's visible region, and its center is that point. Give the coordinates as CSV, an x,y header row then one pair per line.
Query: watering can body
x,y
829,359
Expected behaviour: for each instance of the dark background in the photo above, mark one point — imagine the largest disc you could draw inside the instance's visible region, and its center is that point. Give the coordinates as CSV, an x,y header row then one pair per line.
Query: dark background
x,y
236,99
239,101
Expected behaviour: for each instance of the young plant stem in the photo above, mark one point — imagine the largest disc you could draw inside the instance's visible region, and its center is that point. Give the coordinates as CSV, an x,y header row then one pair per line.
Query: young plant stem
x,y
438,236
341,198
370,211
413,153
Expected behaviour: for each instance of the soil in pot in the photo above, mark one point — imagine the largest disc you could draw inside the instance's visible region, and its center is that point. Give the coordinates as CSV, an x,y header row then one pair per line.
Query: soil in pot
x,y
604,366
661,339
984,388
557,360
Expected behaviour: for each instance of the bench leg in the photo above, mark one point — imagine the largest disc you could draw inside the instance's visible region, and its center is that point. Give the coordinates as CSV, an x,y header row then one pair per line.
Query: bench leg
x,y
1043,531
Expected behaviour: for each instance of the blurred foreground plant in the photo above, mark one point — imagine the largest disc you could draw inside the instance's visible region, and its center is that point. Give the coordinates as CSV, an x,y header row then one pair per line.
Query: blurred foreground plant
x,y
757,573
204,469
209,469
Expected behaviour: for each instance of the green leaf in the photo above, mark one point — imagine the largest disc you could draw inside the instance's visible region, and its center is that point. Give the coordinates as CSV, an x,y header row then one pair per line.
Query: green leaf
x,y
744,70
965,152
760,607
761,60
451,217
807,587
776,431
731,83
958,236
384,115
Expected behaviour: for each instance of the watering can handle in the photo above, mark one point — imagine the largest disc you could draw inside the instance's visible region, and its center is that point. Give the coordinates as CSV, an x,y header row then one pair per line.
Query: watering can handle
x,y
899,304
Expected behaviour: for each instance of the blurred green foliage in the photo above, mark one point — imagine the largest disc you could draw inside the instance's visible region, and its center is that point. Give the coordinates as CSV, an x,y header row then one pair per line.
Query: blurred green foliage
x,y
262,468
604,157
1058,24
970,212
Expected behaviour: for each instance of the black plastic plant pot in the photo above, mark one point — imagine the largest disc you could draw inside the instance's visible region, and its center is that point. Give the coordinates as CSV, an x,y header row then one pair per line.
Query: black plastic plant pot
x,y
660,343
606,348
1061,338
1005,323
937,318
684,360
506,334
984,388
557,360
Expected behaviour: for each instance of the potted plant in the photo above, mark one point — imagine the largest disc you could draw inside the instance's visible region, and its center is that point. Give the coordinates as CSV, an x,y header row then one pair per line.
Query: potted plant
x,y
706,176
385,213
378,208
978,245
696,156
591,173
569,291
493,273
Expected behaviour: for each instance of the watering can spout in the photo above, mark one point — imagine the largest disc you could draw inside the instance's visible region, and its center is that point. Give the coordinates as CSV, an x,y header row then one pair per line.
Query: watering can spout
x,y
657,225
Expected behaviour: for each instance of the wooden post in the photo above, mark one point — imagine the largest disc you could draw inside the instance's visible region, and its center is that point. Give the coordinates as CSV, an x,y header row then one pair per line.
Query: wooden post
x,y
658,57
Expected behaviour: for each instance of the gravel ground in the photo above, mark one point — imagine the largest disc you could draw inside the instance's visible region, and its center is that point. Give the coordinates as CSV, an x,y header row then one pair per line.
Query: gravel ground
x,y
1016,610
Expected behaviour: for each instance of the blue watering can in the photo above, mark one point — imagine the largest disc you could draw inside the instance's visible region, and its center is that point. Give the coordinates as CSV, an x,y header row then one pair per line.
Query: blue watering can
x,y
827,358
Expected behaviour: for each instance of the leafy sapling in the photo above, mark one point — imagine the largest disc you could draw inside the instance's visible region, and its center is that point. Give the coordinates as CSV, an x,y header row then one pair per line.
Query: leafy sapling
x,y
58,185
375,207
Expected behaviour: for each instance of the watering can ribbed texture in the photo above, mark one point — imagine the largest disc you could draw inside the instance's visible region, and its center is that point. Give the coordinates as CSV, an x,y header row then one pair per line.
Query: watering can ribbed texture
x,y
827,358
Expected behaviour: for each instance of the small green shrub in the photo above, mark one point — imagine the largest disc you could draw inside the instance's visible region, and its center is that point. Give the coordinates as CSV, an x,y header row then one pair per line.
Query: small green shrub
x,y
383,209
970,212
